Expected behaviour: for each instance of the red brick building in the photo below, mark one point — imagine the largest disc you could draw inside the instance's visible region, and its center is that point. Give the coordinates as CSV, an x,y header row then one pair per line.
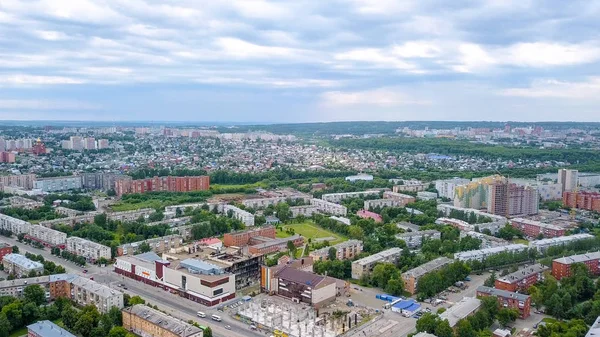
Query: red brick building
x,y
562,267
521,280
533,228
169,184
242,238
582,200
507,299
5,249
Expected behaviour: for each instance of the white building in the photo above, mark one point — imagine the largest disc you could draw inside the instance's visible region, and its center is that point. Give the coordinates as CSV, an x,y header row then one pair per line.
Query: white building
x,y
85,291
482,254
329,207
542,245
337,197
446,187
360,177
47,236
20,265
366,264
92,251
244,216
424,195
403,198
370,204
343,220
16,226
568,178
461,310
306,210
415,239
266,202
56,184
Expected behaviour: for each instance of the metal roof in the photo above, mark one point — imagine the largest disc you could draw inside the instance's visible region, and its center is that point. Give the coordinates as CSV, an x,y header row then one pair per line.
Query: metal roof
x,y
23,262
575,258
48,329
164,321
502,293
460,310
428,267
379,256
523,273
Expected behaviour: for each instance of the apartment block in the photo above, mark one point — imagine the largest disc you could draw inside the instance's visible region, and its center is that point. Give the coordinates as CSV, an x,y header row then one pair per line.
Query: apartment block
x,y
55,286
130,215
47,236
85,291
410,186
171,184
487,241
16,226
7,157
562,267
374,203
92,251
507,299
344,251
522,279
265,202
447,187
494,226
305,210
56,184
509,199
542,245
242,238
532,228
366,264
415,239
460,224
19,265
337,197
582,200
18,180
70,221
145,321
47,329
424,195
403,198
411,277
329,207
158,245
275,245
245,217
100,180
482,254
568,179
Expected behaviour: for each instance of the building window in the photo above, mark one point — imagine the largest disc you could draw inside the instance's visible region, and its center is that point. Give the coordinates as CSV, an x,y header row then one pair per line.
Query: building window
x,y
218,292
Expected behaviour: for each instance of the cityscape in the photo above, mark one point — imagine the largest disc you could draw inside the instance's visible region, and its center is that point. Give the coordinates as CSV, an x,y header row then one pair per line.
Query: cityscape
x,y
263,168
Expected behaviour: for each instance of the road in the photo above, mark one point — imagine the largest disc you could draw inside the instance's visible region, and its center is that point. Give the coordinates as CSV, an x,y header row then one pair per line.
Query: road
x,y
176,306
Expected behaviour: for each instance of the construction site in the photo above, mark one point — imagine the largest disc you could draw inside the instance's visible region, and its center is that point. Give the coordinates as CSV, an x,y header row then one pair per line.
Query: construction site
x,y
300,320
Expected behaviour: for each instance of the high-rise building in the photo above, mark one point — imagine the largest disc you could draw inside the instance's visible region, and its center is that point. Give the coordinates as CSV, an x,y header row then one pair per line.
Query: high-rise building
x,y
7,157
568,179
172,184
89,143
76,143
582,200
102,144
509,199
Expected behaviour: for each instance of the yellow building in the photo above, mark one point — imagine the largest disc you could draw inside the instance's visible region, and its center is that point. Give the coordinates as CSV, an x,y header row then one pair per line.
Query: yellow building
x,y
145,321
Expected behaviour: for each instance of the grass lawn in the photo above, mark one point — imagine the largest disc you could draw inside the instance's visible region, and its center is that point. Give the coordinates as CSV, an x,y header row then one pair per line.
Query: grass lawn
x,y
23,330
311,231
522,241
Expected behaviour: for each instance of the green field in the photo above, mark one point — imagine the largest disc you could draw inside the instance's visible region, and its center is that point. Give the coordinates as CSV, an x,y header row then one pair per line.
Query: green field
x,y
310,231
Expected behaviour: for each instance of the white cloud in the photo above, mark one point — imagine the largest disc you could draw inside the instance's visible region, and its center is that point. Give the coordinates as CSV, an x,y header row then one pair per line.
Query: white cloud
x,y
377,58
51,35
383,7
382,97
24,79
84,11
589,89
259,9
472,57
18,104
419,49
242,49
544,54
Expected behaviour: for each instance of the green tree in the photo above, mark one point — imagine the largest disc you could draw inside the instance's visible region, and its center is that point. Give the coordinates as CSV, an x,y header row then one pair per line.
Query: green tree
x,y
34,293
207,332
507,315
490,281
15,250
5,326
115,316
118,331
136,300
84,324
427,323
443,329
332,254
70,317
394,287
383,272
464,329
144,247
14,314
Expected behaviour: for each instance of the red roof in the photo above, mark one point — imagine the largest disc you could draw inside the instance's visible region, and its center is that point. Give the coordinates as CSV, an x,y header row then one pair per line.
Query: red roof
x,y
369,215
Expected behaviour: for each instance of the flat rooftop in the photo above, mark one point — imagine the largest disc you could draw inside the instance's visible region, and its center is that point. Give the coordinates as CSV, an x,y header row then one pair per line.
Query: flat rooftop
x,y
460,310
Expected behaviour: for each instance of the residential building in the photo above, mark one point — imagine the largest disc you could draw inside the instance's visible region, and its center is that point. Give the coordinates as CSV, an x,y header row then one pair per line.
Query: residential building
x,y
474,194
103,144
100,180
403,198
76,143
70,221
424,195
532,228
411,277
158,245
47,329
542,245
305,210
56,184
47,236
130,215
447,187
67,211
522,279
55,286
337,197
343,251
374,203
487,241
466,307
242,238
562,267
460,224
582,200
19,265
91,250
275,245
298,285
568,179
366,264
369,215
424,334
509,199
171,184
145,321
89,143
7,157
360,177
265,202
85,291
341,219
507,299
16,226
415,239
5,249
245,217
18,180
410,186
482,254
494,226
329,207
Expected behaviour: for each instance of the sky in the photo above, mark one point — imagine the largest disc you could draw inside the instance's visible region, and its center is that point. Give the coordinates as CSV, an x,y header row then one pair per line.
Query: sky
x,y
300,61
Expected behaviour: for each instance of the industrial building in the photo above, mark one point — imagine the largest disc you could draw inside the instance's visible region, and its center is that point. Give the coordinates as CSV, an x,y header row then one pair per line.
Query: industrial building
x,y
411,277
542,245
482,254
507,299
344,251
366,264
242,238
415,239
532,228
562,267
20,266
145,321
522,279
92,251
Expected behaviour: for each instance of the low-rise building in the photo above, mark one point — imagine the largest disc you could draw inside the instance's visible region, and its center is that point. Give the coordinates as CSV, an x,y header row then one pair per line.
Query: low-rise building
x,y
47,236
460,224
327,207
562,267
360,177
482,254
145,321
411,277
266,202
47,329
594,329
304,210
487,241
5,249
366,264
67,211
461,310
542,245
85,291
245,217
507,299
14,225
374,203
522,279
275,245
242,238
534,228
19,265
91,250
343,251
130,215
403,198
55,286
424,195
369,215
415,239
337,197
410,186
158,245
341,219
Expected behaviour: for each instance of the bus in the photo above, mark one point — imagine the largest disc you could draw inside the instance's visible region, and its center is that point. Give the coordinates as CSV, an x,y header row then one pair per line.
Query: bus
x,y
216,318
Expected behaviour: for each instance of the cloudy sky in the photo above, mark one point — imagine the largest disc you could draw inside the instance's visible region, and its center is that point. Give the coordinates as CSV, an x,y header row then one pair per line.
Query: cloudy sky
x,y
300,60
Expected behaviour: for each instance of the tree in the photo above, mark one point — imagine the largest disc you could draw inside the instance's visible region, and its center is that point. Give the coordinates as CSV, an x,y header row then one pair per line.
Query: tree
x,y
490,281
464,329
145,247
5,326
394,287
332,254
443,329
84,324
292,248
507,315
70,317
14,314
116,317
118,331
136,300
15,250
382,273
427,323
283,211
356,232
207,332
100,220
35,294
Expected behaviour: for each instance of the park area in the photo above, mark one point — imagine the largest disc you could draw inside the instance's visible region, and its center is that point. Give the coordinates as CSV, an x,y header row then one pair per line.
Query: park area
x,y
311,231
